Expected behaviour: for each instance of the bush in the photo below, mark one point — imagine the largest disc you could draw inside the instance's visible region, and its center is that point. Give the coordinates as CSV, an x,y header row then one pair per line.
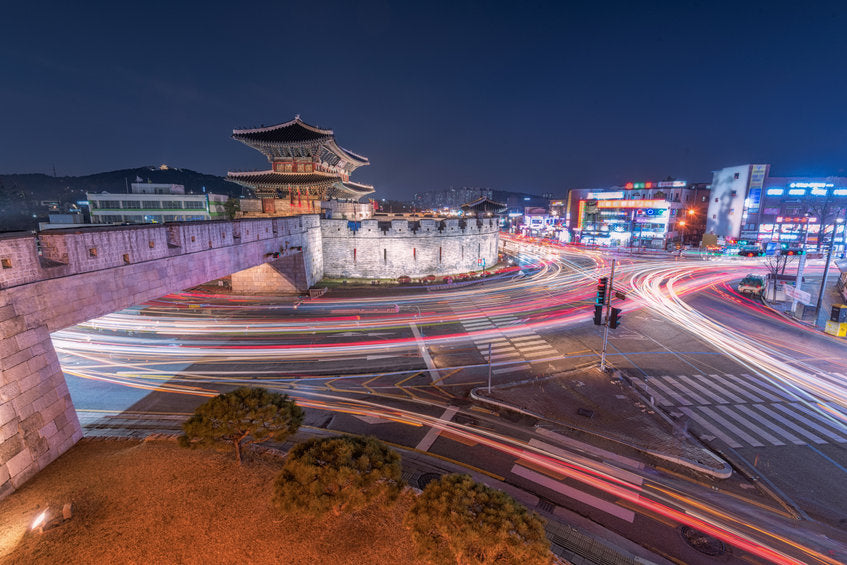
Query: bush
x,y
456,520
337,474
242,417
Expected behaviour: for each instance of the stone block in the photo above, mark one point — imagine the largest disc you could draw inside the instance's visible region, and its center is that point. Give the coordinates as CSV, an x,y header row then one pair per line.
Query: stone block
x,y
7,412
19,462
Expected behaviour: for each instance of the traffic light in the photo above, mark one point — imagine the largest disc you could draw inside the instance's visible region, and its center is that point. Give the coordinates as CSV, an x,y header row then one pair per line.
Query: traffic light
x,y
602,288
614,318
598,314
792,252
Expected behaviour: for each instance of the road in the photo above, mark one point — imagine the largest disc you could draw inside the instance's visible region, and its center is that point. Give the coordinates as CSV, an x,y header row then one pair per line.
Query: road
x,y
400,365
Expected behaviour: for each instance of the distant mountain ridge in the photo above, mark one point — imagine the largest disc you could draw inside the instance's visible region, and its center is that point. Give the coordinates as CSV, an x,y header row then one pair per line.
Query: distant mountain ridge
x,y
21,194
39,186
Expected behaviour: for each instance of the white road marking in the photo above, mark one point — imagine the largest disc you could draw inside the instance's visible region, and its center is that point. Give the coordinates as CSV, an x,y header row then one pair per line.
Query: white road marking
x,y
576,494
433,432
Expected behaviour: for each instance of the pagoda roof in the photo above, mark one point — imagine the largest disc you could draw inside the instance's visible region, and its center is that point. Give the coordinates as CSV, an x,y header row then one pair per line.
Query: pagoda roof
x,y
483,202
333,184
275,178
291,132
353,187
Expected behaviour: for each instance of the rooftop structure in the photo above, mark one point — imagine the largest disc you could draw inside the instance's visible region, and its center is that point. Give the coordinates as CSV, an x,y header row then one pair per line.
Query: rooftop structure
x,y
307,165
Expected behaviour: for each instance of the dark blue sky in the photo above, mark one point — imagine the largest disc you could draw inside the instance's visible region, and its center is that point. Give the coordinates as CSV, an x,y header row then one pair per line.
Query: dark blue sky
x,y
539,97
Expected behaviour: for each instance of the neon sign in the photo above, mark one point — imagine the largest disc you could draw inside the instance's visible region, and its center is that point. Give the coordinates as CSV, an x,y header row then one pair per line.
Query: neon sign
x,y
811,185
605,195
775,192
631,204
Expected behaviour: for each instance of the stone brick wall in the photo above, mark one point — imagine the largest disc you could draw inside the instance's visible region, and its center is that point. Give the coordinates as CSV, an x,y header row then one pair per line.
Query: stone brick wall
x,y
372,248
340,210
87,273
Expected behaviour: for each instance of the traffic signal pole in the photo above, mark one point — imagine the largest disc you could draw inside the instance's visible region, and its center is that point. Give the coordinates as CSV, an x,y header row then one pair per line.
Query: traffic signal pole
x,y
608,306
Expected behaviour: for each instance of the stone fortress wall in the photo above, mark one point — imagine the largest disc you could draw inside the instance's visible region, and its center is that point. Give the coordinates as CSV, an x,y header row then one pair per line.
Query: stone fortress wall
x,y
389,249
85,273
67,276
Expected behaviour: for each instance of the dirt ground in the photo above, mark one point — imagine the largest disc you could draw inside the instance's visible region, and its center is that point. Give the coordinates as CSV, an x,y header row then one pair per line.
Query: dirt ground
x,y
154,502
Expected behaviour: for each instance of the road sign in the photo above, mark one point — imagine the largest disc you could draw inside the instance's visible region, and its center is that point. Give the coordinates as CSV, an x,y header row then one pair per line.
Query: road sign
x,y
620,295
799,295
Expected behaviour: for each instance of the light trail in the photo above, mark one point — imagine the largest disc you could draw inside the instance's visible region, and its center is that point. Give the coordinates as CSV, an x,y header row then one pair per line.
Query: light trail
x,y
558,294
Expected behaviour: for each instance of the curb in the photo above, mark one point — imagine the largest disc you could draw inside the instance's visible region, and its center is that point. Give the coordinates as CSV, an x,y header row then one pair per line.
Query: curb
x,y
723,473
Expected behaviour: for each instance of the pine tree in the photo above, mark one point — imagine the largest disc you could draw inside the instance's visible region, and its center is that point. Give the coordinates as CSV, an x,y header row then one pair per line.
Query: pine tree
x,y
242,417
337,474
457,520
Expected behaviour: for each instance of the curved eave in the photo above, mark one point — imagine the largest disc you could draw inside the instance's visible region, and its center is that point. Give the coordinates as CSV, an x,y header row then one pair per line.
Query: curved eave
x,y
350,190
349,156
273,179
295,121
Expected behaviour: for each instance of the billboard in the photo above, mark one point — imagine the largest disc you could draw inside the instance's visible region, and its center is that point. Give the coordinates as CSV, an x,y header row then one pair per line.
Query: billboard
x,y
726,204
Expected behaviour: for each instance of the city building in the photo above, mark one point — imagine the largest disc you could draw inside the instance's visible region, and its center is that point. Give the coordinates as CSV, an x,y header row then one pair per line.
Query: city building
x,y
638,214
154,203
307,167
453,198
747,204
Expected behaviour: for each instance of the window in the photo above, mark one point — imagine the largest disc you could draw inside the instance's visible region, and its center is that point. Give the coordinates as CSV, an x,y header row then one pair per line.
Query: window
x,y
354,254
194,204
439,254
130,204
92,252
7,263
126,258
152,244
385,255
736,176
415,253
193,239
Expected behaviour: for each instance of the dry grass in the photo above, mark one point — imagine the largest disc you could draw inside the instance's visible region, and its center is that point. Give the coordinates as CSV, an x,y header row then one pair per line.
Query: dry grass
x,y
154,502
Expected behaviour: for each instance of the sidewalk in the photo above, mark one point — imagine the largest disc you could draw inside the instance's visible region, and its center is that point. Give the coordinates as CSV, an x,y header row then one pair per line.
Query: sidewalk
x,y
606,411
806,314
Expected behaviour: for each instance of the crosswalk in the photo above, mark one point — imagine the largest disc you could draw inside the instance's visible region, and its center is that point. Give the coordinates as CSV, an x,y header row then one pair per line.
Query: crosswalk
x,y
748,411
513,351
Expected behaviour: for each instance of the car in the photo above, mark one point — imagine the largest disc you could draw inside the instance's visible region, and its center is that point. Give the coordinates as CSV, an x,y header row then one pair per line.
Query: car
x,y
752,284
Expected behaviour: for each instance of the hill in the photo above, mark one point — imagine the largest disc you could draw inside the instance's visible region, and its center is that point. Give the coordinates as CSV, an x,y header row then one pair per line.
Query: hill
x,y
21,194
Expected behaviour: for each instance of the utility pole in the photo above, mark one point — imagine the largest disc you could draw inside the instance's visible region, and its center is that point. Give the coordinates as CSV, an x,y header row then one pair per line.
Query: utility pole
x,y
608,306
489,367
820,315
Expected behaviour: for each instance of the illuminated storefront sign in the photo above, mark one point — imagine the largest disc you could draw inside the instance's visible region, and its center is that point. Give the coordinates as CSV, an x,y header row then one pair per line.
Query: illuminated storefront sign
x,y
775,192
606,195
796,192
819,192
840,192
632,204
663,184
811,185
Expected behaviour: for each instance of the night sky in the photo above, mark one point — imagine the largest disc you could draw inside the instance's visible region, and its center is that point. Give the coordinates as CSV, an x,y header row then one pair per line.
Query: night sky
x,y
530,97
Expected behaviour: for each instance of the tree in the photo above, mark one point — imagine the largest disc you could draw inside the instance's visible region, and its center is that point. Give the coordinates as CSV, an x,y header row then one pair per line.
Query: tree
x,y
457,520
337,474
776,265
232,206
243,416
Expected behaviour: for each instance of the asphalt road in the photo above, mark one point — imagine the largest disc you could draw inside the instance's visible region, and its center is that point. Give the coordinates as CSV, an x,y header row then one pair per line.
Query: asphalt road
x,y
400,365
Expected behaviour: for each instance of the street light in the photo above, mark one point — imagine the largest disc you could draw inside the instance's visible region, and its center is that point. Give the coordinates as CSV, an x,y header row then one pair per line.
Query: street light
x,y
682,235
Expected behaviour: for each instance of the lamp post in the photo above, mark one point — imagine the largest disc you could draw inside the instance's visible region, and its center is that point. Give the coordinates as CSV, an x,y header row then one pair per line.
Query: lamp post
x,y
682,234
